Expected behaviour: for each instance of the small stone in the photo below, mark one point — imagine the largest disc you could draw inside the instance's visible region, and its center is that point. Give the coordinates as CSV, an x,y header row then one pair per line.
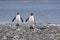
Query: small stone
x,y
4,38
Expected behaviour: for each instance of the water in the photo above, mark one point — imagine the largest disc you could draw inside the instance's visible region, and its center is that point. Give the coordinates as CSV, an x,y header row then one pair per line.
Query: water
x,y
44,12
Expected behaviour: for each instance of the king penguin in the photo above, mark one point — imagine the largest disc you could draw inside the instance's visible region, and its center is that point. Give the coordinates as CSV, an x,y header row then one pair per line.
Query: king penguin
x,y
30,20
18,19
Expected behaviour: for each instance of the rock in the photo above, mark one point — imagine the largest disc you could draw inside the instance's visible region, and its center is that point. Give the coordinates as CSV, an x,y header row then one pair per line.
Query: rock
x,y
25,32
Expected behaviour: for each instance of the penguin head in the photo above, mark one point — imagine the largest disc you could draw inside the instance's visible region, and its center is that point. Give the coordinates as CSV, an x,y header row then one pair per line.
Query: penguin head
x,y
17,13
31,14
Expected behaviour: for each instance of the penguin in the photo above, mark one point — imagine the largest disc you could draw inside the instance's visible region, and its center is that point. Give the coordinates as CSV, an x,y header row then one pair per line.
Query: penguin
x,y
18,19
30,20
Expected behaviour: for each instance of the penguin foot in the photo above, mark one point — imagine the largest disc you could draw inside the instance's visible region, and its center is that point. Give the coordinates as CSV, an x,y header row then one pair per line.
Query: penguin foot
x,y
31,27
17,25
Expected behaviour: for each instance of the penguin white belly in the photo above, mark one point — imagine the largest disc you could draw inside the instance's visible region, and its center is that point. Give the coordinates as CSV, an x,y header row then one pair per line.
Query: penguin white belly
x,y
31,20
18,20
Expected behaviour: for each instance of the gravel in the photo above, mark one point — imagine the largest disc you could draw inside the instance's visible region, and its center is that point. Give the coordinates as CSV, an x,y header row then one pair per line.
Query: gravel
x,y
23,32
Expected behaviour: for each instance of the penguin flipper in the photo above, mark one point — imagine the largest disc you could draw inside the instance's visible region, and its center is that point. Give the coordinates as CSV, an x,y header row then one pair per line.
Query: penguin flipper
x,y
27,19
21,19
14,19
